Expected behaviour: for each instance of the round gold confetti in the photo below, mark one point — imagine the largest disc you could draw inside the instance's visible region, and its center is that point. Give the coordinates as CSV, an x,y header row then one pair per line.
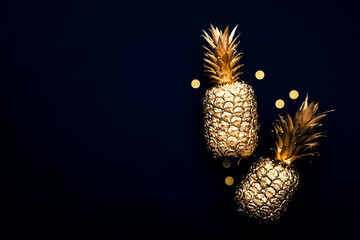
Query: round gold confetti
x,y
226,163
279,103
294,94
259,75
229,180
195,83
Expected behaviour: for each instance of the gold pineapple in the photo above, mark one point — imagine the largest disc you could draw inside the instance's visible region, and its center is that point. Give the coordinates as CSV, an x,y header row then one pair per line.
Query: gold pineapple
x,y
230,108
264,194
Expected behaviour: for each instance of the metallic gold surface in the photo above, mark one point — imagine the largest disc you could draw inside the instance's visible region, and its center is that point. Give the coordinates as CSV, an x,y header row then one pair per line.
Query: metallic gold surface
x,y
231,120
296,137
230,110
222,59
267,190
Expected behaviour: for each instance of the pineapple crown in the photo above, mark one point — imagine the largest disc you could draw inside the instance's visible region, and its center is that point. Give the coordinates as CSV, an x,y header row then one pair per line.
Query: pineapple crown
x,y
221,58
294,137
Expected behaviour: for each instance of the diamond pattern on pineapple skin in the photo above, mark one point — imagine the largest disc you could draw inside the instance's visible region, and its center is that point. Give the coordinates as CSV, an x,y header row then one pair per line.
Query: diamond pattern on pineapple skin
x,y
231,120
263,181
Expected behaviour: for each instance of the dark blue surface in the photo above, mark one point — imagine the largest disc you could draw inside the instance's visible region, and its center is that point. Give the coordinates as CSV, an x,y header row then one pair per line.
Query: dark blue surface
x,y
101,133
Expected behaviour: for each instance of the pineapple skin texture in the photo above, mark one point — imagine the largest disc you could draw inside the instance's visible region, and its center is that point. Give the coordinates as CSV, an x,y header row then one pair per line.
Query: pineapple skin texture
x,y
231,120
265,193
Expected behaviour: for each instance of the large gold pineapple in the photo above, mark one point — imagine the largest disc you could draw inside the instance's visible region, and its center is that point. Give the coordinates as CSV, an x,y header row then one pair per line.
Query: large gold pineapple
x,y
230,108
265,193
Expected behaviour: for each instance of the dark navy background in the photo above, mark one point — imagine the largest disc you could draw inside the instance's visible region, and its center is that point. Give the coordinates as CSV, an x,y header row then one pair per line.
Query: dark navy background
x,y
101,132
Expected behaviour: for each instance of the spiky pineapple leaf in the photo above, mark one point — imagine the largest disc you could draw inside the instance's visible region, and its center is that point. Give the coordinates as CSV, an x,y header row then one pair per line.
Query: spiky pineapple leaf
x,y
295,136
221,55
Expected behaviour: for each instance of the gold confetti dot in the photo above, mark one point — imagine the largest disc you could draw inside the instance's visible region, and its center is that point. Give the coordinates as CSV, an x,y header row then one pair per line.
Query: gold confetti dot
x,y
229,180
226,163
259,74
279,103
294,94
195,83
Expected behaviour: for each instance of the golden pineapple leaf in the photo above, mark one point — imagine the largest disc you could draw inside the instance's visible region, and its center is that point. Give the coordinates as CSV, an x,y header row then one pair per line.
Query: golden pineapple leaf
x,y
221,55
295,136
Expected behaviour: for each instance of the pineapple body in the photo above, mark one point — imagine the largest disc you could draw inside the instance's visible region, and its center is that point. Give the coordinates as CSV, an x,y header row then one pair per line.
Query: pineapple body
x,y
231,120
264,194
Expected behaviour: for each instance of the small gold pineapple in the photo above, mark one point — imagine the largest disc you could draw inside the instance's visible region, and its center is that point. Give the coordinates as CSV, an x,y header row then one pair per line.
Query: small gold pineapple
x,y
264,194
230,108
